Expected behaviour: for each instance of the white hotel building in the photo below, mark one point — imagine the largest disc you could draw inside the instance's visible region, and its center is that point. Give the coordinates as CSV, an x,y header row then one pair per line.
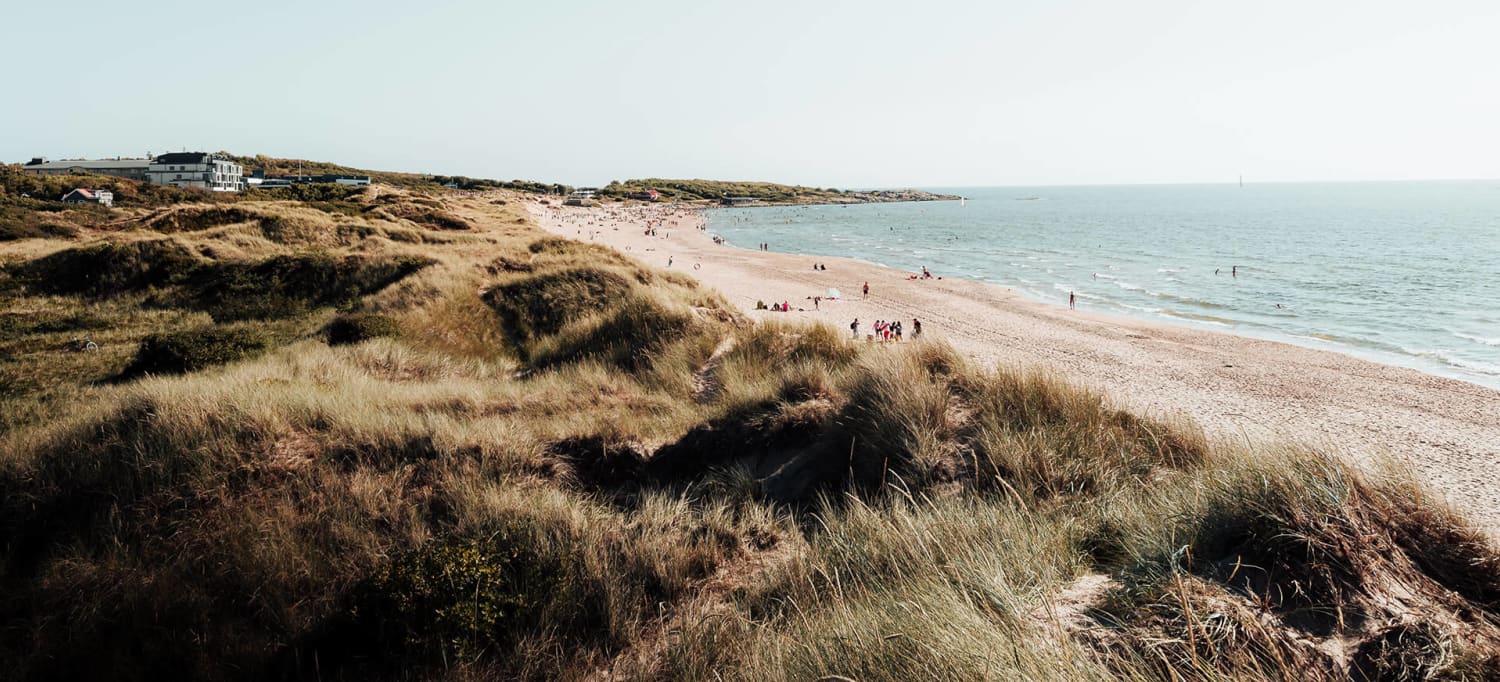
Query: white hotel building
x,y
196,169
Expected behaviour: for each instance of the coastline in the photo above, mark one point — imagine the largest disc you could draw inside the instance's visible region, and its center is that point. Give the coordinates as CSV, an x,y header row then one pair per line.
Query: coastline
x,y
1236,387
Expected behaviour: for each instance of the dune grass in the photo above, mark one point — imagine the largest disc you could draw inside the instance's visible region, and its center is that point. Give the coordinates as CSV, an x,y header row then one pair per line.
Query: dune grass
x,y
533,459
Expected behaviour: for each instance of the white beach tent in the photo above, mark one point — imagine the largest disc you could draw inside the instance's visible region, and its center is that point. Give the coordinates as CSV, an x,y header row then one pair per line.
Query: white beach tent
x,y
832,293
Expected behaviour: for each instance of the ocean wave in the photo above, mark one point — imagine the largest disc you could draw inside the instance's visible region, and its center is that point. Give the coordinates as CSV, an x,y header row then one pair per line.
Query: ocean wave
x,y
1488,341
1451,360
1360,342
1186,300
1205,319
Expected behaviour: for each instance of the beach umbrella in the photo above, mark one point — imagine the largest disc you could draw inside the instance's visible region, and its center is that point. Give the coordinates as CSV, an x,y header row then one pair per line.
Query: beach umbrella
x,y
832,293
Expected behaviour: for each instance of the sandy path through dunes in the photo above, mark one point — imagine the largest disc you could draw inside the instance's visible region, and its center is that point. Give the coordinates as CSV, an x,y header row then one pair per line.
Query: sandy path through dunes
x,y
1236,387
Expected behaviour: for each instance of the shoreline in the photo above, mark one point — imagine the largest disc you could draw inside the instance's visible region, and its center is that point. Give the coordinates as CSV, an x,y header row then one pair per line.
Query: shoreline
x,y
1371,354
1434,363
1234,386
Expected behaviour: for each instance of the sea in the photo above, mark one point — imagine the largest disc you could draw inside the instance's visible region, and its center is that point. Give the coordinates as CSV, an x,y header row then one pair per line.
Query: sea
x,y
1405,273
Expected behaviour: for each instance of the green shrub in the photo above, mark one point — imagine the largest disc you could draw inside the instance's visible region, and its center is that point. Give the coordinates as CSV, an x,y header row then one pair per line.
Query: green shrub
x,y
539,305
420,212
309,192
456,599
196,218
14,325
109,268
289,286
193,350
24,222
629,336
349,329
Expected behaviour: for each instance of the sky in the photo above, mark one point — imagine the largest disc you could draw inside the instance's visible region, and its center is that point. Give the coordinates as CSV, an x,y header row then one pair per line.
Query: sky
x,y
929,93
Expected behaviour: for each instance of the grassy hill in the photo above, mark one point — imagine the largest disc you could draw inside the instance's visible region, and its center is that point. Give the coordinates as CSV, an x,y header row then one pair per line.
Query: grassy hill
x,y
714,190
417,181
404,434
766,192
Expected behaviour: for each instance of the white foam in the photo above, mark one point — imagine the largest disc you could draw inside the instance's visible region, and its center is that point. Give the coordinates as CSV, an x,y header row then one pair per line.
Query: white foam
x,y
1488,341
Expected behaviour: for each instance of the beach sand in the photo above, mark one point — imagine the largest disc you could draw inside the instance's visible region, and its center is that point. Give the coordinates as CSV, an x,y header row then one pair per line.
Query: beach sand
x,y
1236,387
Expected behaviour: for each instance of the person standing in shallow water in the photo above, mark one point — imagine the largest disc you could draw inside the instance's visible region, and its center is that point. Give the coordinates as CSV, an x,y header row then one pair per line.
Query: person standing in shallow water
x,y
1072,302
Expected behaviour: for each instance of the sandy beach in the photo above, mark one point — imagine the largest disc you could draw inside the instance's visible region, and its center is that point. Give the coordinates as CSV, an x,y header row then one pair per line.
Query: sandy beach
x,y
1236,387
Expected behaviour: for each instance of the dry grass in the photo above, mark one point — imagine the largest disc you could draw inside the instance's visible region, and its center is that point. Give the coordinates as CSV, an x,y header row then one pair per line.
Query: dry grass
x,y
531,479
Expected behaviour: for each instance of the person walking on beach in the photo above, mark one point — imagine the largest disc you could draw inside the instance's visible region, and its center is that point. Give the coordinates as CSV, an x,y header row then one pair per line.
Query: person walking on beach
x,y
854,328
1072,301
916,329
867,289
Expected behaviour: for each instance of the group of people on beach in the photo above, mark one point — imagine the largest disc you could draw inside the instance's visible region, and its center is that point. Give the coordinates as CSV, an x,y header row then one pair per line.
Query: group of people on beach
x,y
888,330
653,220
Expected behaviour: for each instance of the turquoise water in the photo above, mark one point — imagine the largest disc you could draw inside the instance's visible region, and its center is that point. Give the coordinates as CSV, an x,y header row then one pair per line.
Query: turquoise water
x,y
1404,273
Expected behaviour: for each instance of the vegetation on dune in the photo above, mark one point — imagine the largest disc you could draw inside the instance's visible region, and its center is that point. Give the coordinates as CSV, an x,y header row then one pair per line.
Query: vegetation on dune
x,y
503,456
360,327
528,186
193,350
414,181
109,268
288,286
714,190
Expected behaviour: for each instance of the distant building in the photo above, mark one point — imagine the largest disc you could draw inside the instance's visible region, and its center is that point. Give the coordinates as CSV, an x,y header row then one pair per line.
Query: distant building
x,y
739,201
196,169
103,197
133,169
261,181
648,195
580,197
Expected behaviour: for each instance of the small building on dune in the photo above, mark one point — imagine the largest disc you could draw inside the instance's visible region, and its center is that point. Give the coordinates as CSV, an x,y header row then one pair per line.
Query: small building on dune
x,y
102,197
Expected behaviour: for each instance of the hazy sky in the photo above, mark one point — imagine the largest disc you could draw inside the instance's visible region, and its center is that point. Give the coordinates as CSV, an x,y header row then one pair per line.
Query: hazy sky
x,y
870,93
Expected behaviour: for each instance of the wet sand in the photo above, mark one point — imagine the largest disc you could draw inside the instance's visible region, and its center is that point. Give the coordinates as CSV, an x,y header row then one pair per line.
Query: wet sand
x,y
1236,387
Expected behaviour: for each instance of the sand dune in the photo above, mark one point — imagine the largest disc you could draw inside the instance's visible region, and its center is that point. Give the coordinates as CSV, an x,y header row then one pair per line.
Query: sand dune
x,y
1236,387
